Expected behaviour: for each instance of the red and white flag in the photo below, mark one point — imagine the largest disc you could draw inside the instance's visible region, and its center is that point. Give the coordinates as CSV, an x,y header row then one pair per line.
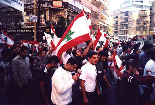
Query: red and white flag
x,y
55,39
24,43
35,43
117,62
4,38
89,22
101,40
76,33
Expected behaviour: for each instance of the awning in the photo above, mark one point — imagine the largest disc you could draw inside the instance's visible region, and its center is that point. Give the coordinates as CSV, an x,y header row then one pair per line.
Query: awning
x,y
17,4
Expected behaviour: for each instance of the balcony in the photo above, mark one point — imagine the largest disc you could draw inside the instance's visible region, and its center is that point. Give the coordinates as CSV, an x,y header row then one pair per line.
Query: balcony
x,y
138,21
123,28
116,23
144,28
116,29
104,13
143,14
105,4
125,22
95,3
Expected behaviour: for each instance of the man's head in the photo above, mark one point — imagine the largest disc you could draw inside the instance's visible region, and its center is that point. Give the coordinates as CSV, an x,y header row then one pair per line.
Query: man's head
x,y
125,48
76,53
98,49
5,54
93,57
24,51
42,53
53,61
132,66
72,64
69,51
103,55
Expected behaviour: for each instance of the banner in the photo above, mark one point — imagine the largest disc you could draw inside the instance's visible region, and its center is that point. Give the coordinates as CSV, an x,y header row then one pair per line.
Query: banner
x,y
17,4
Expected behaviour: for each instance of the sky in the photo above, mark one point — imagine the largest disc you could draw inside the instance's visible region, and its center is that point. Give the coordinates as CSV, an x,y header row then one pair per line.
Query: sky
x,y
114,4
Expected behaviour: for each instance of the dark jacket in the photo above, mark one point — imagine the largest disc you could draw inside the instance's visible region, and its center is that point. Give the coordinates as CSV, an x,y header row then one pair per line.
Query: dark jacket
x,y
129,88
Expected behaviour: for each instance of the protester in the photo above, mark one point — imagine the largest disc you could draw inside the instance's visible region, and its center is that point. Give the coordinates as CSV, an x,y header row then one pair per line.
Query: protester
x,y
101,76
129,90
39,63
88,79
21,75
66,55
45,80
5,76
62,82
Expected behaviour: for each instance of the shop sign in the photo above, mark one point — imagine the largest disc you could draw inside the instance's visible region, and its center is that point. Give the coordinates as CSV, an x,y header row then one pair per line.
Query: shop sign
x,y
19,30
17,4
57,3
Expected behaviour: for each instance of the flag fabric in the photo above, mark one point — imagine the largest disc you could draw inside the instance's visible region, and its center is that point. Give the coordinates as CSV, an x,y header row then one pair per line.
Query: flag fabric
x,y
89,22
97,38
35,43
4,38
55,39
24,43
48,38
117,62
101,40
76,33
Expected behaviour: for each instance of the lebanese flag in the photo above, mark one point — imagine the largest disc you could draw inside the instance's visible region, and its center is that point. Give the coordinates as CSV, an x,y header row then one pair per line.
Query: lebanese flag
x,y
89,22
117,61
35,43
55,39
24,43
76,33
48,38
4,38
100,40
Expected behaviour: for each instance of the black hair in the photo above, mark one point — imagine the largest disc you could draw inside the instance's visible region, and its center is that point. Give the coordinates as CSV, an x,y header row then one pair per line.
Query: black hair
x,y
53,58
91,53
125,47
98,47
147,45
115,44
23,48
130,62
72,61
74,53
106,49
103,53
41,51
5,52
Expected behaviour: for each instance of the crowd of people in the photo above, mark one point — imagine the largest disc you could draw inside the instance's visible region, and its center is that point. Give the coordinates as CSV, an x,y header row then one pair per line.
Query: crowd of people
x,y
34,76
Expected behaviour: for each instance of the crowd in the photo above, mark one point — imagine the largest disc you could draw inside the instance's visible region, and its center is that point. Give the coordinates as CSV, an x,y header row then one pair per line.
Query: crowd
x,y
34,76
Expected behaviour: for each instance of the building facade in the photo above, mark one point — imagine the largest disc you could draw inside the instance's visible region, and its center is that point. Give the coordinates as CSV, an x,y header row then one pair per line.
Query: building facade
x,y
59,13
133,18
152,18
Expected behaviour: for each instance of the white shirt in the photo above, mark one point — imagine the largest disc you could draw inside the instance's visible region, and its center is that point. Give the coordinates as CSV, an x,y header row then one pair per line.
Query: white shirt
x,y
62,87
65,57
89,76
150,65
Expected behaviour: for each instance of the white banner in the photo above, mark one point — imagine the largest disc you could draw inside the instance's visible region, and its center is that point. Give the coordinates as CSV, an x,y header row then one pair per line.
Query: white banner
x,y
17,4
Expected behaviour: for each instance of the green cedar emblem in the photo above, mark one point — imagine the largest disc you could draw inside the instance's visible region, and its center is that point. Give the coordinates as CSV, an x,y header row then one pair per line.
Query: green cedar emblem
x,y
68,36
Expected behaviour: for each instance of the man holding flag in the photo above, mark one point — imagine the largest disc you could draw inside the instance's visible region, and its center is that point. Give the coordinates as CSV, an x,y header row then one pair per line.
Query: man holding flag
x,y
75,34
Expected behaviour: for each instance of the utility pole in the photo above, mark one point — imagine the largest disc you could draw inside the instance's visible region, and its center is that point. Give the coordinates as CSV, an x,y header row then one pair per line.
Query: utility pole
x,y
38,22
35,24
